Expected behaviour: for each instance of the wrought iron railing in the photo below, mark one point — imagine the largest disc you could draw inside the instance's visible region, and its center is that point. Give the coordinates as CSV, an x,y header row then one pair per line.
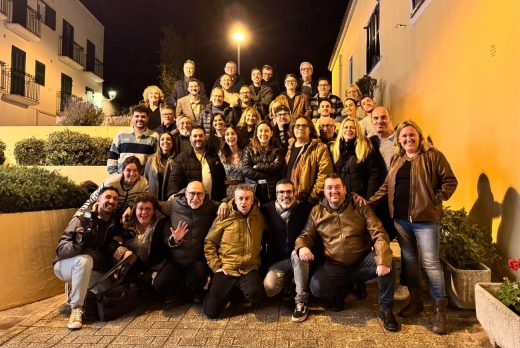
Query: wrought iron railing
x,y
3,7
20,83
63,98
3,84
77,53
32,22
95,66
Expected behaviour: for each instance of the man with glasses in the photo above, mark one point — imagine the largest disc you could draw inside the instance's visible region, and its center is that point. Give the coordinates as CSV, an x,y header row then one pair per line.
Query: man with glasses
x,y
199,164
297,102
306,84
245,100
308,161
327,128
324,93
286,218
167,120
281,134
270,80
355,246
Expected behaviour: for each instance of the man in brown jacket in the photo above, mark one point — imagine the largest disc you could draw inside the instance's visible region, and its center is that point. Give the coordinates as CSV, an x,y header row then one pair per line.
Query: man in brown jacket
x,y
346,232
232,249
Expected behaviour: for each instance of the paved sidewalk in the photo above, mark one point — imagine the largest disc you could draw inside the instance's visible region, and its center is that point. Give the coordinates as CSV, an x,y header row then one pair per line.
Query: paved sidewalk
x,y
184,325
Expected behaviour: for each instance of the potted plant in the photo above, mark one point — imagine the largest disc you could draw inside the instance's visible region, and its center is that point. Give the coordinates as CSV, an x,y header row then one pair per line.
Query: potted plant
x,y
498,309
464,250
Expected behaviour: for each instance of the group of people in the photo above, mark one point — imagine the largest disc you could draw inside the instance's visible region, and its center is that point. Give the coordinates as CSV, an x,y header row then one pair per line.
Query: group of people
x,y
256,192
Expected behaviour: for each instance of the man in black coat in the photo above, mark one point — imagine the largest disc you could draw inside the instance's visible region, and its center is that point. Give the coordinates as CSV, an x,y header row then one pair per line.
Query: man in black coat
x,y
199,164
180,88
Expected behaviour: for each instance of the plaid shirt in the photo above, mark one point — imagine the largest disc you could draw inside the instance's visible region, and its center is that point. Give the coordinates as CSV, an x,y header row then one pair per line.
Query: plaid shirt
x,y
337,105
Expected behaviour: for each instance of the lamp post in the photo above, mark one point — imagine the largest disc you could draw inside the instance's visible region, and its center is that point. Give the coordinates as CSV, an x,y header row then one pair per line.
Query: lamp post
x,y
112,94
238,36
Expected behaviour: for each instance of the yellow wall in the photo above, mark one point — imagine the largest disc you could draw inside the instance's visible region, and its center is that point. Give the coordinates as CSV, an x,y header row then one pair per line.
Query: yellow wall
x,y
455,69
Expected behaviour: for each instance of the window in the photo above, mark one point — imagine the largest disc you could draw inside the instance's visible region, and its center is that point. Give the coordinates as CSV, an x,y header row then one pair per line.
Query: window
x,y
17,71
46,14
350,71
39,73
91,56
416,4
373,50
67,43
66,90
89,92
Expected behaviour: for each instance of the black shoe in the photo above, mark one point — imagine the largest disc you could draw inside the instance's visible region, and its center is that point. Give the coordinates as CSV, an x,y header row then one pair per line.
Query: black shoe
x,y
389,321
337,304
361,290
300,312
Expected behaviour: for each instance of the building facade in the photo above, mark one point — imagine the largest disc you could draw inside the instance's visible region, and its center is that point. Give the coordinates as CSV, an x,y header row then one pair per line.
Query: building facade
x,y
453,67
51,51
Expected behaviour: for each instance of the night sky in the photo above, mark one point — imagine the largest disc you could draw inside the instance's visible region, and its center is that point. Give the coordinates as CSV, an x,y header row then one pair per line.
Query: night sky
x,y
283,33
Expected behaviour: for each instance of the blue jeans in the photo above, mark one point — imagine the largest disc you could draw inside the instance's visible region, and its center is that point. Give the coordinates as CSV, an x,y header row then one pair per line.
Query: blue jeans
x,y
413,236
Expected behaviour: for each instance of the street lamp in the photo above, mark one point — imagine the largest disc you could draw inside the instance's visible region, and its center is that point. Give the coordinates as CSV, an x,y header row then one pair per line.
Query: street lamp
x,y
112,94
238,36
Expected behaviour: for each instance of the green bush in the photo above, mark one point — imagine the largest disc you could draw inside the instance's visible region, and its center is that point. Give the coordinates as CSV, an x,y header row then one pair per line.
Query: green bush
x,y
68,148
2,152
80,113
33,189
100,148
30,152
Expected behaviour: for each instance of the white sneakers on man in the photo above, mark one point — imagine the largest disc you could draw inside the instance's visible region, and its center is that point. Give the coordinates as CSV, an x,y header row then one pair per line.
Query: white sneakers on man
x,y
75,319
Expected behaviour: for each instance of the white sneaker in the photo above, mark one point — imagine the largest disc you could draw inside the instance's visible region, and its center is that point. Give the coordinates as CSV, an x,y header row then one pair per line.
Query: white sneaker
x,y
401,293
75,319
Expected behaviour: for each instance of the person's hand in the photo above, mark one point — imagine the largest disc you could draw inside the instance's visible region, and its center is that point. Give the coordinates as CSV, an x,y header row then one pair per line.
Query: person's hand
x,y
126,215
358,200
305,254
382,270
180,231
223,211
221,270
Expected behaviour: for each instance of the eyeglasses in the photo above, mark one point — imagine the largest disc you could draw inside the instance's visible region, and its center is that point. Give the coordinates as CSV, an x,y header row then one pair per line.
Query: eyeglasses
x,y
305,69
290,81
287,192
327,125
281,114
301,126
198,194
145,210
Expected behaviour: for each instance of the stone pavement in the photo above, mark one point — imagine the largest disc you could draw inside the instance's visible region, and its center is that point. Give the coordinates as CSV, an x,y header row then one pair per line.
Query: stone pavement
x,y
184,325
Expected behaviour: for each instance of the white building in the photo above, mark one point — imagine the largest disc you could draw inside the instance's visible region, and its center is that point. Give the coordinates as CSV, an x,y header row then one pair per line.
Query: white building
x,y
50,51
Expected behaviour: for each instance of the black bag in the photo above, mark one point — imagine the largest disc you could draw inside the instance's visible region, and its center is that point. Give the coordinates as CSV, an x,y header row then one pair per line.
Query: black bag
x,y
116,301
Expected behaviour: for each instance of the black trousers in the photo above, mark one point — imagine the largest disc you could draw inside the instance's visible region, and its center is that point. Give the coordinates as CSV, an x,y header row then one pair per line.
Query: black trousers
x,y
173,276
222,285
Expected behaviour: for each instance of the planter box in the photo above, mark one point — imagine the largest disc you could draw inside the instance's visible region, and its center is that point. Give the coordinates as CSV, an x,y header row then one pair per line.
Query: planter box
x,y
27,248
501,324
460,284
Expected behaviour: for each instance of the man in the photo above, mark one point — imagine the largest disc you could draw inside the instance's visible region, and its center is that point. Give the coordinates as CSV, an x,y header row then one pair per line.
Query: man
x,y
306,85
297,102
346,233
236,81
82,254
181,137
261,93
138,141
281,133
327,128
232,248
270,81
217,105
181,87
367,104
324,93
167,120
308,161
244,102
384,141
191,214
286,218
198,165
193,103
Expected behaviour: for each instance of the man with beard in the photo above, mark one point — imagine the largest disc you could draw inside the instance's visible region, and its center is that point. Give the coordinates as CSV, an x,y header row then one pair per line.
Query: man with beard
x,y
367,104
327,127
236,81
193,103
167,120
82,254
181,87
181,137
281,134
217,105
199,164
261,93
138,141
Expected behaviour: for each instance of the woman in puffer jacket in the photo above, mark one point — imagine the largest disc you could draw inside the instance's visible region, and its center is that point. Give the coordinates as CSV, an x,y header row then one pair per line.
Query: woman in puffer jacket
x,y
262,163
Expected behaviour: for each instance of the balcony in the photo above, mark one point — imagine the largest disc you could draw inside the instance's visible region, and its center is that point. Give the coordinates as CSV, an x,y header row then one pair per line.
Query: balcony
x,y
72,56
94,69
20,88
3,10
62,99
28,26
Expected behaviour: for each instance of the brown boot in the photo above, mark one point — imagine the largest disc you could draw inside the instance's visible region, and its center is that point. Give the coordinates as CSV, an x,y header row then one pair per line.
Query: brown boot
x,y
439,315
414,305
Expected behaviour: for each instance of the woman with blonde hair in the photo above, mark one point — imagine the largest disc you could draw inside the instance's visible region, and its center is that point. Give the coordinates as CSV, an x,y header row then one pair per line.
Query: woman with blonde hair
x,y
153,99
158,167
247,124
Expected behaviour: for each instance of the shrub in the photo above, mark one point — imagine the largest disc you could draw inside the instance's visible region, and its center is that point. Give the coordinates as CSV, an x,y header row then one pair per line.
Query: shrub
x,y
100,148
2,152
30,152
32,189
80,113
68,148
123,120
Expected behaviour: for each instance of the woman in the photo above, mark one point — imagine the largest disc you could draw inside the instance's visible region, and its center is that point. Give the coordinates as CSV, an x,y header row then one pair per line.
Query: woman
x,y
218,128
272,116
153,99
349,109
262,163
158,167
418,180
230,155
129,184
247,123
143,237
356,160
226,82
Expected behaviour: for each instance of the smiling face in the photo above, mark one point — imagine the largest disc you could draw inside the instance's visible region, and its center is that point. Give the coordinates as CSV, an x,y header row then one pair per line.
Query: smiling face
x,y
140,120
251,118
285,195
245,95
349,131
153,97
144,212
198,139
353,93
107,202
382,121
256,77
195,194
409,140
185,125
327,128
290,83
189,70
301,130
230,68
218,122
193,88
306,71
130,174
217,97
166,143
323,88
335,192
167,116
244,201
368,104
225,82
325,108
267,74
264,134
231,137
350,108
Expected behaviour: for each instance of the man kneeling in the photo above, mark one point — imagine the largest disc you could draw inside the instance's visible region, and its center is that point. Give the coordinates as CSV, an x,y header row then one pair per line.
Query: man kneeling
x,y
232,248
348,256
